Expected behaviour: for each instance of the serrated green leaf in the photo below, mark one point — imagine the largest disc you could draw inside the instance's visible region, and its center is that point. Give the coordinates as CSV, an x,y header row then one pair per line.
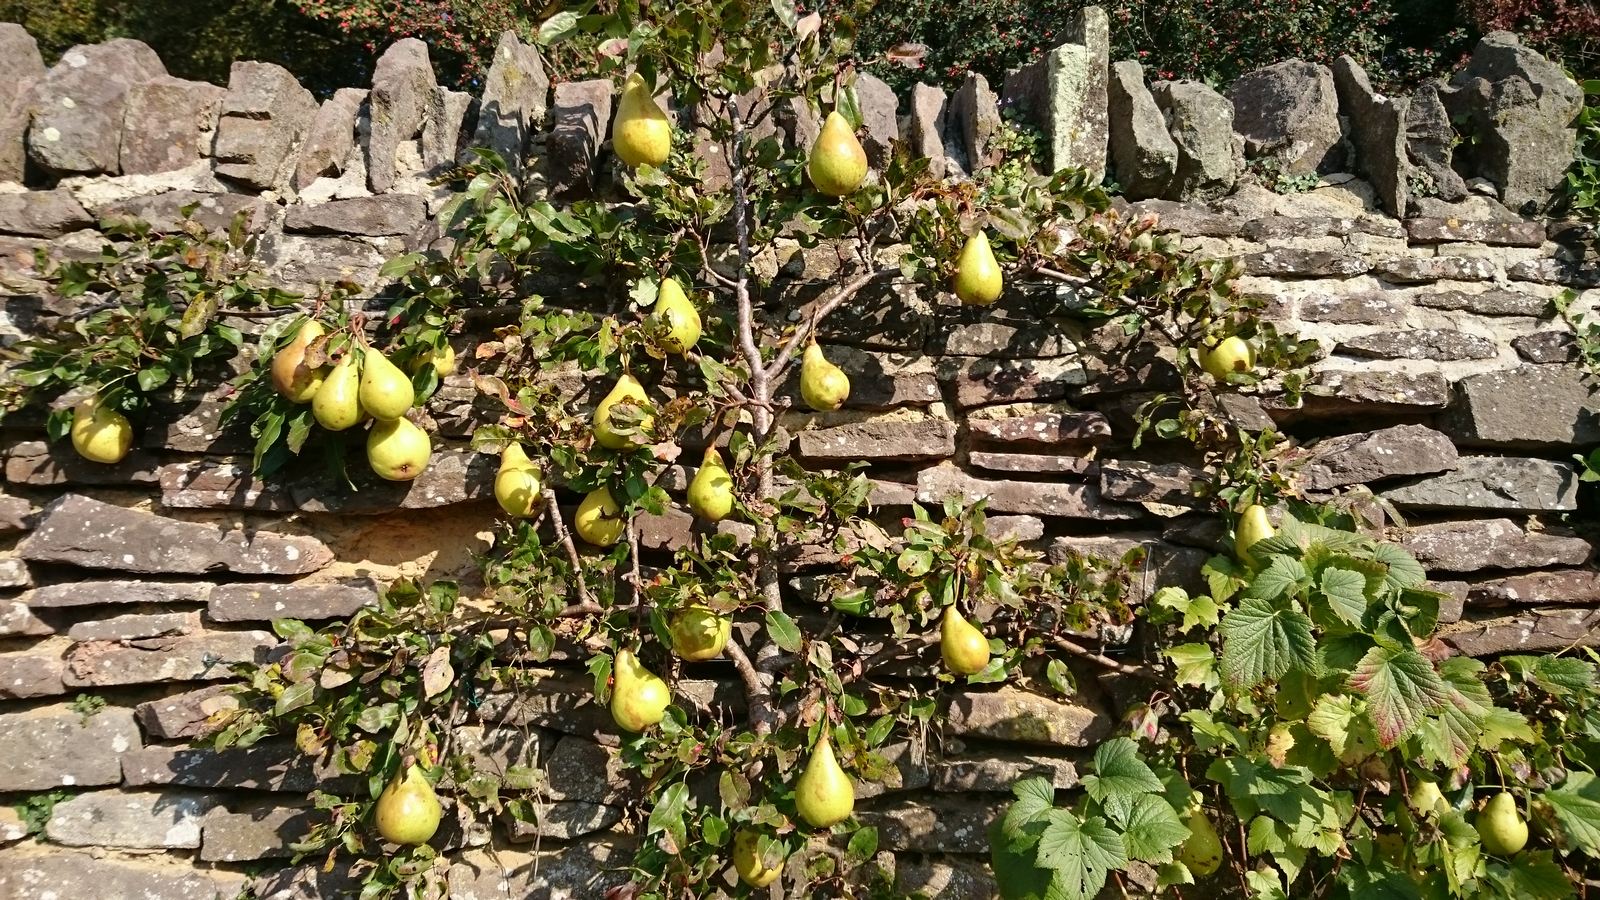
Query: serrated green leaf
x,y
1261,641
1197,612
1401,686
1153,830
1282,577
1532,876
1345,591
1119,778
1080,853
1576,802
1196,664
1035,797
1332,718
1560,675
783,631
1404,570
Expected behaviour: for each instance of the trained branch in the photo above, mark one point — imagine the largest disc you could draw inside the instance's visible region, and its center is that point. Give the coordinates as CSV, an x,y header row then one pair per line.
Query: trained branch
x,y
844,292
565,538
755,688
1107,662
1055,275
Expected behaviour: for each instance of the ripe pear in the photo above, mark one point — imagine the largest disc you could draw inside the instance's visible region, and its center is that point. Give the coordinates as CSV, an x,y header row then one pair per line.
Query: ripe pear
x,y
408,809
747,860
386,392
1231,354
838,164
336,405
824,795
290,375
443,360
675,310
398,450
598,520
99,433
699,633
1426,800
823,385
977,280
642,133
1253,526
627,388
638,698
1500,827
963,646
516,485
711,491
1201,852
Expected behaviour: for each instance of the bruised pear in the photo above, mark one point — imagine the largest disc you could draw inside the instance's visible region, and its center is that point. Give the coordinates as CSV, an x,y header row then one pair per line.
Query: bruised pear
x,y
291,377
386,392
1253,527
823,385
699,633
598,520
1201,852
638,697
516,485
627,389
1231,354
977,279
838,164
336,405
678,314
824,795
1501,827
99,433
747,861
397,450
408,809
642,133
963,646
711,491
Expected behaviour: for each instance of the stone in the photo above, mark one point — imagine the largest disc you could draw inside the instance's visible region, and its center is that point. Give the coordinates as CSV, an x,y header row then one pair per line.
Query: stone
x,y
12,828
516,95
214,212
1188,219
184,716
35,671
212,484
879,117
13,573
878,380
1378,130
168,122
452,476
1334,392
77,530
1412,269
134,820
266,602
1534,631
443,124
78,106
1066,94
393,214
1555,271
206,656
880,440
16,515
1442,344
1144,157
1132,481
583,770
1163,564
262,767
998,771
937,824
1430,144
1427,230
42,213
96,593
586,869
1072,501
1571,587
330,138
135,626
1547,347
1288,113
925,126
21,67
562,820
1030,462
975,116
17,620
1499,483
1297,263
255,831
952,878
1529,406
1491,302
876,322
560,702
312,881
580,114
402,83
1049,429
1376,456
1368,308
998,338
51,747
308,264
264,119
37,464
1200,121
35,872
1012,714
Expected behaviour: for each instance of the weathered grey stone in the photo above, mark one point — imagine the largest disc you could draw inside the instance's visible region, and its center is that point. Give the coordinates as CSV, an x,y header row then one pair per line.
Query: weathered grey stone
x,y
266,602
580,115
166,124
1030,462
1049,429
134,626
214,484
1012,714
78,106
1065,94
938,824
1143,155
1430,144
1547,347
17,620
997,771
1494,483
879,117
330,138
1005,339
183,716
1297,263
255,831
1378,130
1377,455
1201,123
516,95
21,67
32,672
1529,406
42,213
39,464
192,657
1335,392
880,440
1272,228
975,116
134,820
925,126
1132,481
402,83
215,212
583,770
1164,565
307,264
264,118
581,869
1498,234
1073,501
53,746
1576,587
1419,343
443,124
1535,631
1492,302
1411,269
562,703
16,515
1555,271
12,828
13,573
1289,113
952,878
369,216
452,476
263,767
94,593
37,872
1369,308
1188,219
77,530
563,820
1498,544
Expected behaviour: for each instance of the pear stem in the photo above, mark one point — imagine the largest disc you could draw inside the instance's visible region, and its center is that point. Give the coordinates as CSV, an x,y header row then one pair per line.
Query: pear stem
x,y
565,538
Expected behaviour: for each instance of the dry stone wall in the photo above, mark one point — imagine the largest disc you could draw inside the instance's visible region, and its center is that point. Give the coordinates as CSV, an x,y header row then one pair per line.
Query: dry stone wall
x,y
1445,388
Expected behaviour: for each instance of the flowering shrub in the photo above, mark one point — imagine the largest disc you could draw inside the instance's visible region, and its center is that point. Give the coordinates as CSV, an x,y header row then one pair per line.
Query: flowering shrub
x,y
1568,29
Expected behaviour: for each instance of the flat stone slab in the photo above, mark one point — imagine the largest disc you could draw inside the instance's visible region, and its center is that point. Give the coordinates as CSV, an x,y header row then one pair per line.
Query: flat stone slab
x,y
939,824
999,770
206,656
1504,483
1012,714
183,716
263,767
1377,455
1491,544
255,831
32,672
1568,587
563,820
1034,498
53,746
266,602
34,872
880,440
1536,631
1529,406
1419,343
134,820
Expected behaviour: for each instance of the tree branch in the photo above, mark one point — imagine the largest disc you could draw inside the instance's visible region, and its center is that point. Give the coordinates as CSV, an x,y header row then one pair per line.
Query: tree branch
x,y
844,292
565,538
756,689
1100,659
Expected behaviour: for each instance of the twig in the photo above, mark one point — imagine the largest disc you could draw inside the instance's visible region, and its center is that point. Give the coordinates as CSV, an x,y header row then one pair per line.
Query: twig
x,y
565,538
774,372
1175,337
1104,661
579,610
705,262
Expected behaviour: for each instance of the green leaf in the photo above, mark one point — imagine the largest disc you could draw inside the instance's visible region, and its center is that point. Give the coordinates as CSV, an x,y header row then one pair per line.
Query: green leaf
x,y
1281,578
1283,792
1119,778
1035,796
1261,642
667,817
1577,805
1532,876
1346,594
1196,664
152,378
1154,829
295,696
784,632
1559,675
1332,718
557,27
863,844
1404,570
1081,854
1197,611
1401,686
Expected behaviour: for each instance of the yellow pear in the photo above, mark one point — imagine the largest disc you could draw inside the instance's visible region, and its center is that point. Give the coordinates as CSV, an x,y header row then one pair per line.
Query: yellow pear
x,y
386,392
747,861
711,491
408,809
1231,354
1501,827
1253,526
824,795
335,405
629,389
398,450
642,133
99,433
516,485
963,646
290,375
823,385
1426,800
598,520
699,633
978,280
638,697
443,360
1202,850
838,164
682,320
